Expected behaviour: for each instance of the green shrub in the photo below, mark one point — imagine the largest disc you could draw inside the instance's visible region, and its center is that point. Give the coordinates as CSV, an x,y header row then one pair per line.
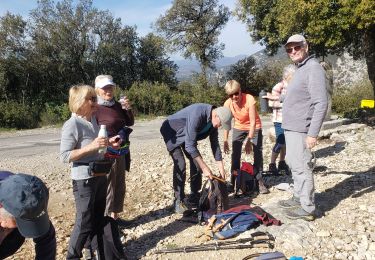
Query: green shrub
x,y
347,100
54,114
16,115
158,99
150,99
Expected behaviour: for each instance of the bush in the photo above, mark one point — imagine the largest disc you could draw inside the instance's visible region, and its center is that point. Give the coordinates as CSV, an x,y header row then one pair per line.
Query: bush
x,y
158,99
16,115
150,99
54,114
347,100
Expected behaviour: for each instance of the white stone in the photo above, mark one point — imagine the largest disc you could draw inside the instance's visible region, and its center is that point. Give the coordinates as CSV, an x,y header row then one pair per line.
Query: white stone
x,y
323,233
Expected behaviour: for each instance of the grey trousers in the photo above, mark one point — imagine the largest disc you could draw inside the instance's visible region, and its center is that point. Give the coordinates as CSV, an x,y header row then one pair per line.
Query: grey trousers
x,y
116,187
298,157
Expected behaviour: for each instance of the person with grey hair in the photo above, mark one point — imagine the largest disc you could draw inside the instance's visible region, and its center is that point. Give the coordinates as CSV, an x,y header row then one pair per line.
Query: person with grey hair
x,y
181,133
304,109
23,214
278,91
117,117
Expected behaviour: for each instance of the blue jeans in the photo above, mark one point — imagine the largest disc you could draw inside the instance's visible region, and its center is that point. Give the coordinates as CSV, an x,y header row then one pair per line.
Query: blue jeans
x,y
280,138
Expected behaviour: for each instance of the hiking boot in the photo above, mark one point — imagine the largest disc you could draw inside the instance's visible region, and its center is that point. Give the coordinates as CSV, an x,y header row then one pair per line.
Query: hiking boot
x,y
283,167
272,168
180,207
299,213
289,203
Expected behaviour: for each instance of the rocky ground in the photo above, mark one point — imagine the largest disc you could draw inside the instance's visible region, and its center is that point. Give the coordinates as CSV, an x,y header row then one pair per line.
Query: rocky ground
x,y
345,183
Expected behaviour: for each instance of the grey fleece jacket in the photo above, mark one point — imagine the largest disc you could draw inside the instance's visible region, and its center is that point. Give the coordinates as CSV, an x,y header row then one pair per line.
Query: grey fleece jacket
x,y
77,133
305,103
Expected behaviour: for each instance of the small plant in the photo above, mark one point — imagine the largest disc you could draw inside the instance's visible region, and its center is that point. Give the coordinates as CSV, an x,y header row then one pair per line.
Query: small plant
x,y
346,101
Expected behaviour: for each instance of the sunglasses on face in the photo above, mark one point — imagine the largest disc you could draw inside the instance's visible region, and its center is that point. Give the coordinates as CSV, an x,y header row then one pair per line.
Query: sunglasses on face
x,y
234,94
296,48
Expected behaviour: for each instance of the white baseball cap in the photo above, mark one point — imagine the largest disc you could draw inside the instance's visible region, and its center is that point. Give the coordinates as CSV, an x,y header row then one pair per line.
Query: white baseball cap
x,y
104,81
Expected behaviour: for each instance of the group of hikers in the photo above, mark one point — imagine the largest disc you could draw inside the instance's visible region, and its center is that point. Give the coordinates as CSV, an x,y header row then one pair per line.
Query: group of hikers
x,y
98,177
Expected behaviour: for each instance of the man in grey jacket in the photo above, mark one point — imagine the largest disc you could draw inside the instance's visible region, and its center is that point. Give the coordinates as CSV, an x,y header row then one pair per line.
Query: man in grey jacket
x,y
181,133
304,109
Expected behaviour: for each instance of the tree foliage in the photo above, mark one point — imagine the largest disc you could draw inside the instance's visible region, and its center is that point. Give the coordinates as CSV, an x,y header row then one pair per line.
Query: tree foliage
x,y
193,26
331,27
154,65
244,72
69,42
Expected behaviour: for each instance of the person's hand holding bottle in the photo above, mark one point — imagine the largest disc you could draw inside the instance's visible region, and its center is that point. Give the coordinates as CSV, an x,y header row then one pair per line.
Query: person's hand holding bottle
x,y
124,101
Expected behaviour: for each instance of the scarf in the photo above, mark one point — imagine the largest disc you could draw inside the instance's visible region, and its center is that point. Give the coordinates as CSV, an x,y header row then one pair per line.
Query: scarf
x,y
105,103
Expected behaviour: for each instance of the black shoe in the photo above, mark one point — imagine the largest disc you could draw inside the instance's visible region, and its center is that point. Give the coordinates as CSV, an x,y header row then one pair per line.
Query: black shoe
x,y
283,168
289,203
272,168
299,213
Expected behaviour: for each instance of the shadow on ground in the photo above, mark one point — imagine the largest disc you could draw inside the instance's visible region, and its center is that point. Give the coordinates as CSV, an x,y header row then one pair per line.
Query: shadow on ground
x,y
330,150
358,184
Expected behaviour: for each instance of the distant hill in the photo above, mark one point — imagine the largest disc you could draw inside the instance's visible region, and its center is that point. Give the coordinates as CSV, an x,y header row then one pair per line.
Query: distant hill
x,y
345,70
188,67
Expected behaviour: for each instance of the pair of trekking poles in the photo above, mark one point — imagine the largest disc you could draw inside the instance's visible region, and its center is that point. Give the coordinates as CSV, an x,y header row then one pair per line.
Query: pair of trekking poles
x,y
256,240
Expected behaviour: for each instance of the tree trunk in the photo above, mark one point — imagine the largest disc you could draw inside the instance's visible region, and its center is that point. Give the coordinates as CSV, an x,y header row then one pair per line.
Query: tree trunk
x,y
369,49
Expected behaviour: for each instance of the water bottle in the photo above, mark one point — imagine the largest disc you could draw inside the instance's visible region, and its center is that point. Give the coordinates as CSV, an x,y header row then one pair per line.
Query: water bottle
x,y
102,133
263,102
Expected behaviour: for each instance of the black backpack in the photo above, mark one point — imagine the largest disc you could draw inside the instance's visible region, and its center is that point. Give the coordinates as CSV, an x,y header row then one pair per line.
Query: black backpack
x,y
214,197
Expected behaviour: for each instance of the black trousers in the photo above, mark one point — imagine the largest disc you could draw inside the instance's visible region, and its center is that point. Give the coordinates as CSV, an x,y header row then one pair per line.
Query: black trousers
x,y
90,198
11,243
112,246
238,138
179,173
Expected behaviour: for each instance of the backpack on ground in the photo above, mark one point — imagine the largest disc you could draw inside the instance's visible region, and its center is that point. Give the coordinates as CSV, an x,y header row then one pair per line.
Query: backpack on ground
x,y
246,180
214,197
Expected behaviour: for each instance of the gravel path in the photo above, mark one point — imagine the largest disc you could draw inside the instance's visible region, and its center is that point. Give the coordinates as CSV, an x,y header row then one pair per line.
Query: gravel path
x,y
345,178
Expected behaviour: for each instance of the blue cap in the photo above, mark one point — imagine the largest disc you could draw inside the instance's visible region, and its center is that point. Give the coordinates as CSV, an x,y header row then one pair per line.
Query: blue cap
x,y
25,197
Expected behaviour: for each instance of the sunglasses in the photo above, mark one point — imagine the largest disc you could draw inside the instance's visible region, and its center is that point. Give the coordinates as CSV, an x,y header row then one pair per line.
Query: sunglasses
x,y
93,99
234,94
296,48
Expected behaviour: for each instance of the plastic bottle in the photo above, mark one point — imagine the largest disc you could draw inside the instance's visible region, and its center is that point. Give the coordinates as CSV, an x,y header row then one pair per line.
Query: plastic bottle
x,y
103,133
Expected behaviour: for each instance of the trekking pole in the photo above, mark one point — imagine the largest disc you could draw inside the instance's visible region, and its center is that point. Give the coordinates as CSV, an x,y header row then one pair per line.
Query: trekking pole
x,y
257,239
218,246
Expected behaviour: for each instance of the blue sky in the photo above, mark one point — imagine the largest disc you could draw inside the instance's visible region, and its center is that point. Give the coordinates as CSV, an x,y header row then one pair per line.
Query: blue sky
x,y
143,13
